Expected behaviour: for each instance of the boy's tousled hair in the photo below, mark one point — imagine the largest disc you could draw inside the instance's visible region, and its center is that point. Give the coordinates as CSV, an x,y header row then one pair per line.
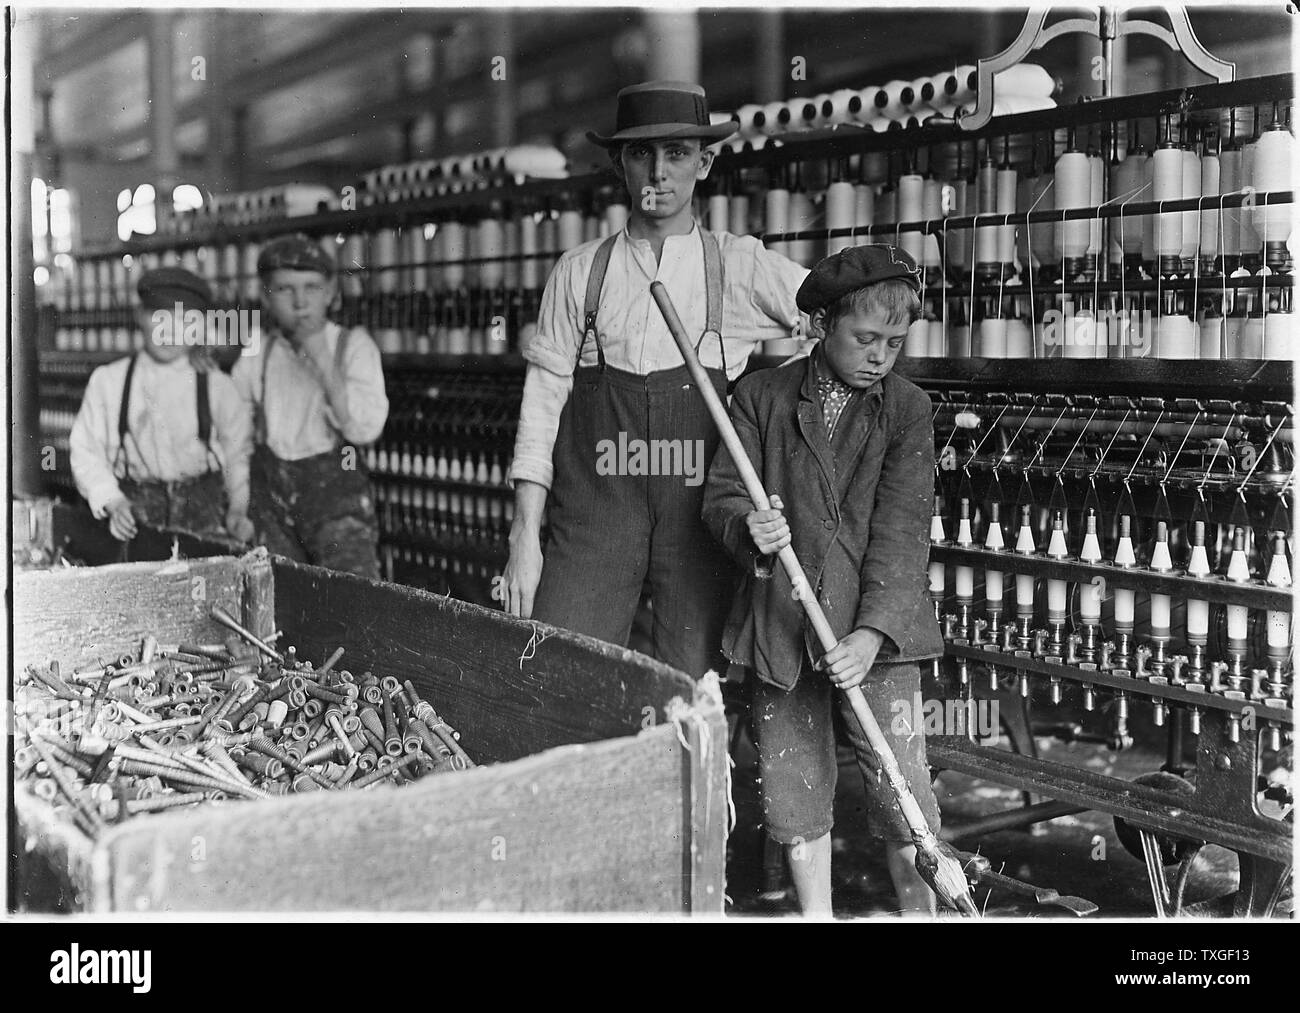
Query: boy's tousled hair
x,y
894,298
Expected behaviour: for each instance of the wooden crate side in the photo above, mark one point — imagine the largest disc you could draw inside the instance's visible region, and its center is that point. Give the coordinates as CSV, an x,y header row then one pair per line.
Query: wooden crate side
x,y
512,686
708,801
54,865
85,615
599,827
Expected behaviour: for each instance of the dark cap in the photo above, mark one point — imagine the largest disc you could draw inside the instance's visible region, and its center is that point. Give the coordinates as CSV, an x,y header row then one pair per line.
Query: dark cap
x,y
294,253
854,268
164,287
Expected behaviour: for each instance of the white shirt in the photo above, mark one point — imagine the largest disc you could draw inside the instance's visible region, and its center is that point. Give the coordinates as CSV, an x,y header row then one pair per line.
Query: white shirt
x,y
299,419
758,304
163,444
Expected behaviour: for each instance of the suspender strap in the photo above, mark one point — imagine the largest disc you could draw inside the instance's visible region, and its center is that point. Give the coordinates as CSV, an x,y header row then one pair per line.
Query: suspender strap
x,y
124,418
713,284
712,293
204,409
595,282
259,422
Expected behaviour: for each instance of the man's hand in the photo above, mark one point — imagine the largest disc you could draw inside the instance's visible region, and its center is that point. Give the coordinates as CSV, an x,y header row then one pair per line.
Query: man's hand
x,y
849,661
516,588
121,522
238,524
768,528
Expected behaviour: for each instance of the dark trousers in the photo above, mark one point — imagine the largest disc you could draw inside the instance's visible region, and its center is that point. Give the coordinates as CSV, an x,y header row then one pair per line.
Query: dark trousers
x,y
315,510
610,533
193,505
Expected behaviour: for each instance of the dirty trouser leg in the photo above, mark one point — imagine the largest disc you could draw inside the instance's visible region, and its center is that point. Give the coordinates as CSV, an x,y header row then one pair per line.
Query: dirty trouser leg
x,y
691,576
270,506
334,513
199,506
594,562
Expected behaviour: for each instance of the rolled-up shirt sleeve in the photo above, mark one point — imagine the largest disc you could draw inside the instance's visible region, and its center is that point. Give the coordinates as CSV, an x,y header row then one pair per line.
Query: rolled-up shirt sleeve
x,y
367,399
772,291
545,394
558,340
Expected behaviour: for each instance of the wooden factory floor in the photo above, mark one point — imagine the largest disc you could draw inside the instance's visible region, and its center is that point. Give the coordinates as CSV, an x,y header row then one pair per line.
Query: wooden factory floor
x,y
1058,854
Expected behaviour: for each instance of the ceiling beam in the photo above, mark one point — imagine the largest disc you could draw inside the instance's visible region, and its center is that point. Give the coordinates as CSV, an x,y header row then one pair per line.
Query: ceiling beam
x,y
90,45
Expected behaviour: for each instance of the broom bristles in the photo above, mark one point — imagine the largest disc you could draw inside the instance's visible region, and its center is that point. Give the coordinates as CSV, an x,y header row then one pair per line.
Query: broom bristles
x,y
942,870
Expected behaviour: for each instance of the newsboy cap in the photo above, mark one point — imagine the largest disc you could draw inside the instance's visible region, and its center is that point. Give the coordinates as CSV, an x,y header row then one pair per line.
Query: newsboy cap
x,y
164,287
295,252
853,268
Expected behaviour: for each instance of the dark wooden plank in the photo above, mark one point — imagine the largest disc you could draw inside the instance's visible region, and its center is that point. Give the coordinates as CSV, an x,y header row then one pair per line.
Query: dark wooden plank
x,y
583,828
474,664
258,593
86,615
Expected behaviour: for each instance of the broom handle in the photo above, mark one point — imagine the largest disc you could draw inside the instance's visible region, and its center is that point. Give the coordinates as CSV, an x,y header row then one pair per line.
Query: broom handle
x,y
790,562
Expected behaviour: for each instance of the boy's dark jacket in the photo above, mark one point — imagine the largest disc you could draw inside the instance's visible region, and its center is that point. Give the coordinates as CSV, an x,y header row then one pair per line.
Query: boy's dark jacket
x,y
861,531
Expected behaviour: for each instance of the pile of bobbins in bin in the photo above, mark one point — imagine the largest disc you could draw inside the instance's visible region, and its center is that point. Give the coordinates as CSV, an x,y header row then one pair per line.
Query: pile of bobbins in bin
x,y
191,724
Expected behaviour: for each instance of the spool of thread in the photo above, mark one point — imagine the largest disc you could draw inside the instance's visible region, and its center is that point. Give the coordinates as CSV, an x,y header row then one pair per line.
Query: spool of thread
x,y
1080,338
1230,219
1233,325
841,106
353,264
383,255
1176,337
1006,204
590,227
569,228
841,213
894,99
1212,337
1096,196
548,241
1019,340
1148,250
510,268
944,85
249,284
719,212
1250,345
866,112
965,77
932,211
800,218
991,338
911,194
529,274
745,117
616,218
455,248
1279,336
738,214
959,340
1029,258
1024,80
491,243
886,211
1210,181
414,254
798,114
937,340
957,244
1073,190
864,210
776,216
1191,219
768,120
917,342
986,236
1274,170
1250,239
1168,185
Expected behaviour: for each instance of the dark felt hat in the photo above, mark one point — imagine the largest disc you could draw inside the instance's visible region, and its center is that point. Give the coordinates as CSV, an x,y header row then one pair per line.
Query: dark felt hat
x,y
295,252
164,287
855,267
660,110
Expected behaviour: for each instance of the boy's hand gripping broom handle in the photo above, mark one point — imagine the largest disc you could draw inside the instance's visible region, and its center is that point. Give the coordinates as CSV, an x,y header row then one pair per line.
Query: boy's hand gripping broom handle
x,y
941,870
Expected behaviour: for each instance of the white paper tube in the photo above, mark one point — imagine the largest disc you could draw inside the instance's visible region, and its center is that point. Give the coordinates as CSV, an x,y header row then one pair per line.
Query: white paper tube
x,y
1274,165
936,341
738,214
911,189
1006,204
991,338
1237,622
1191,219
1073,189
1211,338
840,214
1279,336
917,342
1209,241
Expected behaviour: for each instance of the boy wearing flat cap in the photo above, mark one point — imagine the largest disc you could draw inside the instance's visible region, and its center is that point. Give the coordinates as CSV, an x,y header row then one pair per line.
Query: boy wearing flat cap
x,y
161,438
603,371
846,448
316,390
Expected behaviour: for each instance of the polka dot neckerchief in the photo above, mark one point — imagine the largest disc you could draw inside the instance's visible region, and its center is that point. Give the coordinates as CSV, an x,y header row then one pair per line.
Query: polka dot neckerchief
x,y
834,394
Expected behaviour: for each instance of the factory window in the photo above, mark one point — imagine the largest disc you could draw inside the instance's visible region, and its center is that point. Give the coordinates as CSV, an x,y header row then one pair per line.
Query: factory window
x,y
52,225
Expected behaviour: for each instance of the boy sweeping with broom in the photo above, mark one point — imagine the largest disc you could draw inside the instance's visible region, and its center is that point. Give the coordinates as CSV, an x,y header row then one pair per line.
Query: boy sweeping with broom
x,y
849,446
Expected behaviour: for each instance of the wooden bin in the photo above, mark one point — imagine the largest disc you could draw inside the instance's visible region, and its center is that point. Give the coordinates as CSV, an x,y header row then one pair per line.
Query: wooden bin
x,y
589,798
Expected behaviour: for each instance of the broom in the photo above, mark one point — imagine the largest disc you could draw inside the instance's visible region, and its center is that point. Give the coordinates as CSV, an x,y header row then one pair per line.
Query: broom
x,y
935,861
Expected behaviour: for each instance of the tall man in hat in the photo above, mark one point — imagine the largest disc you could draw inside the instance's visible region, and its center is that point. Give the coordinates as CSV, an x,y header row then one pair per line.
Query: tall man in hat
x,y
608,400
